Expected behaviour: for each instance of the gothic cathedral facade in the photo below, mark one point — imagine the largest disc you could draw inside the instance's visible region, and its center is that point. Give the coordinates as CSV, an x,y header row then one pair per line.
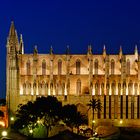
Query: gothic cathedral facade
x,y
76,79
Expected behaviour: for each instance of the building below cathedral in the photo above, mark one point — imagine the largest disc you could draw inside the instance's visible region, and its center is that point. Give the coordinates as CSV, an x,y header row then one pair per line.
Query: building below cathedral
x,y
76,79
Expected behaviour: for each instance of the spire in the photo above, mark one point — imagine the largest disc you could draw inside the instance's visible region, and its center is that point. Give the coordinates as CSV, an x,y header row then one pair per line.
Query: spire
x,y
89,49
51,50
12,41
120,52
12,31
21,45
104,51
35,50
136,52
68,50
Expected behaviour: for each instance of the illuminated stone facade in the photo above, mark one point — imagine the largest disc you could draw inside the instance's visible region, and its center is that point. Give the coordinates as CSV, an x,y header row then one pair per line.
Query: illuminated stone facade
x,y
74,78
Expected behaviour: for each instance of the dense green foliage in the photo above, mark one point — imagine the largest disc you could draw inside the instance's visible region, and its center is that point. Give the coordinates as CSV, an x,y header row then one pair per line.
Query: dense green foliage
x,y
46,112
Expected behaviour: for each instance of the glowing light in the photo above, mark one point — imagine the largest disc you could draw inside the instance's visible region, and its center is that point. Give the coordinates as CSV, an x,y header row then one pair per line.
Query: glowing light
x,y
32,92
127,90
65,92
93,121
21,90
38,121
121,121
37,91
12,118
4,133
31,131
93,91
49,92
110,91
117,91
100,91
54,92
2,123
133,90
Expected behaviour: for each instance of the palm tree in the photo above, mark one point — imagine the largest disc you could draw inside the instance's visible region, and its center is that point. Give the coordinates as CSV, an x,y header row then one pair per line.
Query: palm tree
x,y
95,105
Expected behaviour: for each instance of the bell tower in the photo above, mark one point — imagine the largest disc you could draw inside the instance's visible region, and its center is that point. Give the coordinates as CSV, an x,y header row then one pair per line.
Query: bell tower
x,y
12,69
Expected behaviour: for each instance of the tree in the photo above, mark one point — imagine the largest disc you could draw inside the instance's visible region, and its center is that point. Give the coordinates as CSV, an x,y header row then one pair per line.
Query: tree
x,y
95,105
72,117
44,111
1,114
2,102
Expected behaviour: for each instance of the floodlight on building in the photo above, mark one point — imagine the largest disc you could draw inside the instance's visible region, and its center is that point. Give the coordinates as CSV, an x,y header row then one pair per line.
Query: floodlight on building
x,y
121,121
2,123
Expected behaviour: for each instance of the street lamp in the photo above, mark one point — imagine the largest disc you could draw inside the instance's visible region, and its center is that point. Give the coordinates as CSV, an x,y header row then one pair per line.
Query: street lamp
x,y
12,119
4,133
93,122
31,132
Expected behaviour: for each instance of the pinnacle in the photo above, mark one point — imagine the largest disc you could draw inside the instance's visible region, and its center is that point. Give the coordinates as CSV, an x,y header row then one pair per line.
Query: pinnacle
x,y
12,31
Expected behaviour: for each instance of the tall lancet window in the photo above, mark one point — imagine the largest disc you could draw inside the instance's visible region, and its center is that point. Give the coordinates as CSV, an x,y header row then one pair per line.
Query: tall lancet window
x,y
24,88
78,87
43,67
112,67
113,87
96,66
128,67
78,65
28,67
34,87
59,67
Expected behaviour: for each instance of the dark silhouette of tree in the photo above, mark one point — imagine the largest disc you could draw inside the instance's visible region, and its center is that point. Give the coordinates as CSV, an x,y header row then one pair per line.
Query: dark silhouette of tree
x,y
95,105
1,114
72,117
2,102
44,111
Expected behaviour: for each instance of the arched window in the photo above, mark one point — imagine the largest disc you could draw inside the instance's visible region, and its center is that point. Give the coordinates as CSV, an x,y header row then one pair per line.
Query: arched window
x,y
59,88
78,65
119,89
107,88
46,88
113,86
28,67
124,88
102,89
112,67
28,88
59,67
97,88
78,87
34,88
24,88
96,66
39,88
128,67
43,88
43,67
63,88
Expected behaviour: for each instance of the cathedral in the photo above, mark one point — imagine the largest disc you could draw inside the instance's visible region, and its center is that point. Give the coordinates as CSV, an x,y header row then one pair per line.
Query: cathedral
x,y
76,79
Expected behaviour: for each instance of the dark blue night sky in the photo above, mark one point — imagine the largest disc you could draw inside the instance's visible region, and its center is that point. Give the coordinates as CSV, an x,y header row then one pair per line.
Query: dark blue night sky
x,y
76,23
